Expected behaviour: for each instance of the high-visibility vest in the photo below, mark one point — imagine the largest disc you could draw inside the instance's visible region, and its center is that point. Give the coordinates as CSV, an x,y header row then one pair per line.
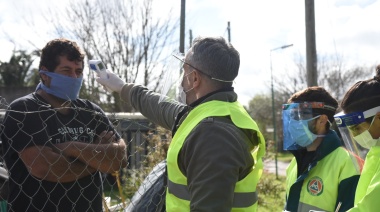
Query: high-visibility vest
x,y
245,196
367,192
317,188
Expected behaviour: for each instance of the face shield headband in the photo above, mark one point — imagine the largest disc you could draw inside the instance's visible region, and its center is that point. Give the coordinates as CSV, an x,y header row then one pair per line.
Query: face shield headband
x,y
348,125
297,119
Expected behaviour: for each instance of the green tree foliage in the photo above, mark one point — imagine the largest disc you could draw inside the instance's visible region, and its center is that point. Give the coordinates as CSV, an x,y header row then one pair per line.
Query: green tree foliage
x,y
260,109
18,71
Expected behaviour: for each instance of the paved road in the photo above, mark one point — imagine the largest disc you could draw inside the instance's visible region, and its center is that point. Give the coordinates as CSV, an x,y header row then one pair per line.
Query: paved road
x,y
270,166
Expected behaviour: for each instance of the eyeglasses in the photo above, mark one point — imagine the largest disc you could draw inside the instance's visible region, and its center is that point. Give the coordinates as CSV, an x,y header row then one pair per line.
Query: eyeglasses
x,y
183,61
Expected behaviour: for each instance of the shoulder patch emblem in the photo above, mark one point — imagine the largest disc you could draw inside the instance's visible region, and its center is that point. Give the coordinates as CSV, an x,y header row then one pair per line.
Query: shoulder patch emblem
x,y
315,186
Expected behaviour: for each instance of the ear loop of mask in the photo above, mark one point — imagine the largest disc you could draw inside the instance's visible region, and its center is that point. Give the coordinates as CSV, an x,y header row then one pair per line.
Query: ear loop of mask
x,y
187,80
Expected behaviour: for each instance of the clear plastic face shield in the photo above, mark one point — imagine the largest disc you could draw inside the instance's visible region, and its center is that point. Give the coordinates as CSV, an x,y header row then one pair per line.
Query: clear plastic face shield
x,y
354,130
298,122
171,89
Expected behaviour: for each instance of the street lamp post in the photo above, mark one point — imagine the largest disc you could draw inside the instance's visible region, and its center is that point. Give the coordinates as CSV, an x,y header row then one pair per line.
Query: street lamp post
x,y
273,110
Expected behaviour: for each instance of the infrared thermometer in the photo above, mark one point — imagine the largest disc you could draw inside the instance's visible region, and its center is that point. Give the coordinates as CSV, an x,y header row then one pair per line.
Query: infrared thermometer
x,y
99,67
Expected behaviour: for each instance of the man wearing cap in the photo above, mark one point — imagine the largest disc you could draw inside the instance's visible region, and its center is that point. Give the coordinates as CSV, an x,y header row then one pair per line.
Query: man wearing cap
x,y
214,161
323,175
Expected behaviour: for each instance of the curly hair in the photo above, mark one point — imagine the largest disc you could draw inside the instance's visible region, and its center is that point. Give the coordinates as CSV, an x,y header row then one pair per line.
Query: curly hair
x,y
59,47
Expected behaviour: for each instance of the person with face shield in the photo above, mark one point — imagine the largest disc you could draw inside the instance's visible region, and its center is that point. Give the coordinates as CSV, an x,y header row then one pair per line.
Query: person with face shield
x,y
214,161
359,124
55,144
323,175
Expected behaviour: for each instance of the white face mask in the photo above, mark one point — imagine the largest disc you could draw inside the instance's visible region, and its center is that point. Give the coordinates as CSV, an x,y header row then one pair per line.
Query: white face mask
x,y
365,138
182,93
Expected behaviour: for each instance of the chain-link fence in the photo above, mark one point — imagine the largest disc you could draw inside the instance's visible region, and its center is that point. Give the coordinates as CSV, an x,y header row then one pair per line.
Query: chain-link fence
x,y
40,133
113,191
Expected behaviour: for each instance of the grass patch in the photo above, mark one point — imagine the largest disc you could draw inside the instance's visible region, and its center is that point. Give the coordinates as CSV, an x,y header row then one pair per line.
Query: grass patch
x,y
285,156
271,192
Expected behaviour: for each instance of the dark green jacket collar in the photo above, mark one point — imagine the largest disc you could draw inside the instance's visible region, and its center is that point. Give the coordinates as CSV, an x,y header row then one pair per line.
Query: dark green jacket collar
x,y
329,144
307,160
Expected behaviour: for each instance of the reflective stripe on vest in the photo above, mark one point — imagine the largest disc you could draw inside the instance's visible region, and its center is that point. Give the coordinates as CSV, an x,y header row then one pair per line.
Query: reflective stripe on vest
x,y
177,195
306,207
240,200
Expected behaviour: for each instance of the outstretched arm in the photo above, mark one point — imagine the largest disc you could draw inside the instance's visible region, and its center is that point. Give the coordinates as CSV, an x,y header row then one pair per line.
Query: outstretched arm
x,y
143,100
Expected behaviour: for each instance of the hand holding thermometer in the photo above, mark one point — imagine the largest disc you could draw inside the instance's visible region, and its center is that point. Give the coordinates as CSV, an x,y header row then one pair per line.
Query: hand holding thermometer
x,y
99,67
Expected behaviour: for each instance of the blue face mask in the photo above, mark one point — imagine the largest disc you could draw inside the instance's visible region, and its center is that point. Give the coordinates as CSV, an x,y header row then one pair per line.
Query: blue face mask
x,y
300,132
62,86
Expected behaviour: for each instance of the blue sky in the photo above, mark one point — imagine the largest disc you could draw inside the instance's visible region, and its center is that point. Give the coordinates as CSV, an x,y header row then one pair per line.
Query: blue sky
x,y
345,27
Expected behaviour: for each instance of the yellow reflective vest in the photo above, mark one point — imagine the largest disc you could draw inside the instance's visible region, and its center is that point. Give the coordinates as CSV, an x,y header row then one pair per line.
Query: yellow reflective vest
x,y
326,180
368,189
245,196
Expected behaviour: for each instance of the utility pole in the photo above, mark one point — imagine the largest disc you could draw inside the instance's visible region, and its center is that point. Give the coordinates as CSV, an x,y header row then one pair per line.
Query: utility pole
x,y
311,52
229,32
182,27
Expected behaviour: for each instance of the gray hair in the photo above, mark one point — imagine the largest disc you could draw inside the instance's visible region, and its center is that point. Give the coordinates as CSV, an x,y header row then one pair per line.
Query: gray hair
x,y
214,57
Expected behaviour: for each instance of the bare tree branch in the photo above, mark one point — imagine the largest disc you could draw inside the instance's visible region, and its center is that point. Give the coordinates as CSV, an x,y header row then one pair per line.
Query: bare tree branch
x,y
124,35
332,75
